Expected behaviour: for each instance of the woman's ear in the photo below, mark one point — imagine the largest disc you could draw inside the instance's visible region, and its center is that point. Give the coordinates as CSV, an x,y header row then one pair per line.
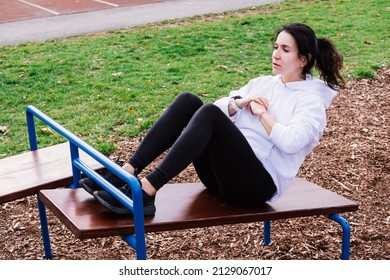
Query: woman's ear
x,y
305,60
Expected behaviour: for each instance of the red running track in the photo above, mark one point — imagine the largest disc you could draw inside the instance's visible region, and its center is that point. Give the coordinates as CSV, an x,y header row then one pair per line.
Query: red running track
x,y
29,9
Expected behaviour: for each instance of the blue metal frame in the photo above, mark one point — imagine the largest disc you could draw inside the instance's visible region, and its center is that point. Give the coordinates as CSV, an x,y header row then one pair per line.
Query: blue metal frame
x,y
346,239
267,232
346,234
44,229
135,205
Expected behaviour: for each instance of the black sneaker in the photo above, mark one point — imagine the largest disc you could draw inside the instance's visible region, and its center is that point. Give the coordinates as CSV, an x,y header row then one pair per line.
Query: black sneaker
x,y
114,205
90,186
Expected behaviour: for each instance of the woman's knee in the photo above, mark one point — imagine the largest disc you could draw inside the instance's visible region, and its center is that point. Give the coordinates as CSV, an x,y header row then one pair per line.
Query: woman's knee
x,y
184,106
211,112
189,98
210,108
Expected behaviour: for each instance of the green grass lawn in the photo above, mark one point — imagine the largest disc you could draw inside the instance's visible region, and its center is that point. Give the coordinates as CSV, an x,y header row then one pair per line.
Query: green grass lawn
x,y
105,85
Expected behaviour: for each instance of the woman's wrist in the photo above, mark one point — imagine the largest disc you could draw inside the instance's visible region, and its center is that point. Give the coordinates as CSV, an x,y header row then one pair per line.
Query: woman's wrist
x,y
234,105
261,115
267,121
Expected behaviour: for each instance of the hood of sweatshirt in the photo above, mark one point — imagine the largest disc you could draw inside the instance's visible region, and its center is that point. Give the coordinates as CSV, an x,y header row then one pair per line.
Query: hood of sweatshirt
x,y
316,85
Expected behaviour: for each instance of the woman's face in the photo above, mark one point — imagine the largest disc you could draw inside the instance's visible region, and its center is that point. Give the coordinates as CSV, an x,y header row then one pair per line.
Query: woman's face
x,y
285,58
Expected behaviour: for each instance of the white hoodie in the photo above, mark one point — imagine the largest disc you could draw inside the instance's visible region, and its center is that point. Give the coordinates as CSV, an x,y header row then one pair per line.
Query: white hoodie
x,y
300,111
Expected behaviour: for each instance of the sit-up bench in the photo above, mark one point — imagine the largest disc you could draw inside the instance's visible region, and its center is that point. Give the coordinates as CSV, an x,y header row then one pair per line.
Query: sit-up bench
x,y
46,168
179,206
190,205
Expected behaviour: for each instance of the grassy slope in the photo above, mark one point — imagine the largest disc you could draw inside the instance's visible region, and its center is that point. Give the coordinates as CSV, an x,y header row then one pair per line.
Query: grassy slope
x,y
104,85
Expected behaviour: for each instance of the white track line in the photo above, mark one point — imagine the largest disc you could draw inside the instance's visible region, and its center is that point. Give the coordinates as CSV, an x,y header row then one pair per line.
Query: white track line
x,y
107,3
39,7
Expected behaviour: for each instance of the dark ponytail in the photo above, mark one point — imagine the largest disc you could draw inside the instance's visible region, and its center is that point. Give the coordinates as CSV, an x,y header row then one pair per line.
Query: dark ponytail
x,y
320,53
329,63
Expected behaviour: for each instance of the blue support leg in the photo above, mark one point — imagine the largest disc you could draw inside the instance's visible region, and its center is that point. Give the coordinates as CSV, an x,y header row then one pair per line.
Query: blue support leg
x,y
138,244
267,232
346,234
74,153
44,229
138,240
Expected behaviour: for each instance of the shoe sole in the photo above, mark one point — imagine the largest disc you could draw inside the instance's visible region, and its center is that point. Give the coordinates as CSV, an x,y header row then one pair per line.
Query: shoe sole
x,y
148,210
86,187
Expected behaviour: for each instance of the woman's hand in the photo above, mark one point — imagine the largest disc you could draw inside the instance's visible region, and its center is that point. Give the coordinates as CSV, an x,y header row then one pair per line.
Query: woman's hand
x,y
257,109
258,105
245,102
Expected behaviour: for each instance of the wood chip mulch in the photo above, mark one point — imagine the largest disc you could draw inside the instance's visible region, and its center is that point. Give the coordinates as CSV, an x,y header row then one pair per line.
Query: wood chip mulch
x,y
351,160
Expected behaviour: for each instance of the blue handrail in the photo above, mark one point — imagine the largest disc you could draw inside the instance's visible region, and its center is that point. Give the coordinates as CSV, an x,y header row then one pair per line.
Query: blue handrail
x,y
135,205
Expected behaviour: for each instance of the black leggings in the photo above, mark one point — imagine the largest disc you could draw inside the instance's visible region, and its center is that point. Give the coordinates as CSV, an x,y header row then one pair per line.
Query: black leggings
x,y
203,135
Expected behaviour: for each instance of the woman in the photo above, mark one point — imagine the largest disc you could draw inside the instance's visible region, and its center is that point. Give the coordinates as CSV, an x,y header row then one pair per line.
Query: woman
x,y
249,146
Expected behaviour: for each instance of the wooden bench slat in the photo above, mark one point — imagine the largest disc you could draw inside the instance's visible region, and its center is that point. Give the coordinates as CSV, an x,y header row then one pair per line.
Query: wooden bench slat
x,y
27,173
188,205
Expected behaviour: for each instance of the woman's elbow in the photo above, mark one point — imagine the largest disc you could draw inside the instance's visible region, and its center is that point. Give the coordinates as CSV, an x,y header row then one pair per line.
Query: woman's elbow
x,y
291,148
